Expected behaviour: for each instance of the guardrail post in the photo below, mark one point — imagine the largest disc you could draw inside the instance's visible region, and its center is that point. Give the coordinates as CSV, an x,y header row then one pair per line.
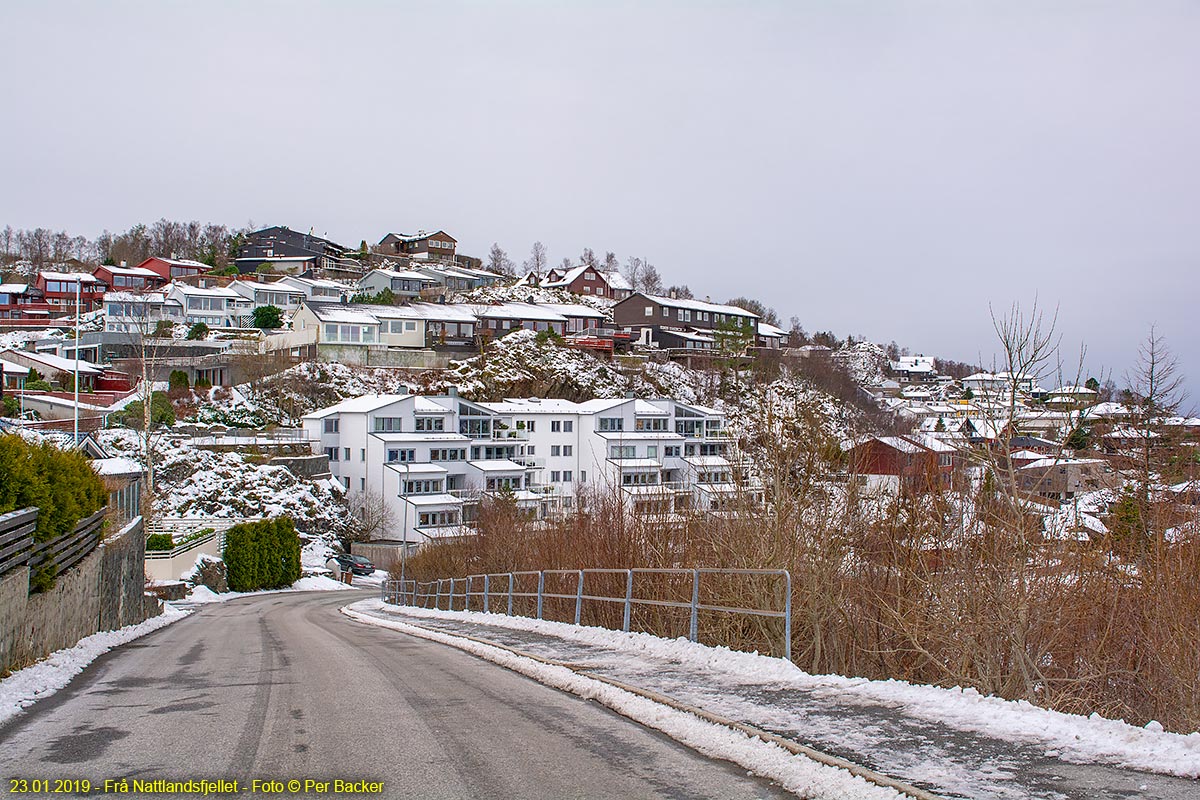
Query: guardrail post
x,y
579,598
541,589
510,593
628,599
467,593
693,628
486,586
437,600
787,619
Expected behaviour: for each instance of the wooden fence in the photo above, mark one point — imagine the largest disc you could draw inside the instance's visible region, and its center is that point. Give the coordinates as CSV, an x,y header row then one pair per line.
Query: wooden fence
x,y
18,549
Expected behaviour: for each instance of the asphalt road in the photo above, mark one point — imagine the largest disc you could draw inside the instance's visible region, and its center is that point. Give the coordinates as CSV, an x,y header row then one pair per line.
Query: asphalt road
x,y
284,687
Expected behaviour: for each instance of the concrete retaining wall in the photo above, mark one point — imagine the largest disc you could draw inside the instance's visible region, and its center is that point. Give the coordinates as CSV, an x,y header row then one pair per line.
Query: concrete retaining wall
x,y
104,591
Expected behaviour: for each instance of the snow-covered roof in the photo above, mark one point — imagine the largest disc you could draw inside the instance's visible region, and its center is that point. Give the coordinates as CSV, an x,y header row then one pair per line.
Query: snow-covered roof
x,y
413,468
693,336
419,236
638,464
421,436
521,311
643,408
72,277
391,273
770,331
707,461
532,405
133,272
427,405
574,310
56,363
431,499
182,262
900,443
700,305
14,288
13,369
440,312
212,291
1050,461
1074,391
358,405
116,466
134,297
497,465
342,312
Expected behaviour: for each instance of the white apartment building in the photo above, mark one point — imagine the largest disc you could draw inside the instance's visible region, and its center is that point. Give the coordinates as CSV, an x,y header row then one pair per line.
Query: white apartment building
x,y
127,312
282,296
430,458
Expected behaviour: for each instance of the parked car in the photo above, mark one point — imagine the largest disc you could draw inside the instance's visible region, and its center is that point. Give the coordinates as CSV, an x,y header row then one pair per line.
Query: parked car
x,y
356,564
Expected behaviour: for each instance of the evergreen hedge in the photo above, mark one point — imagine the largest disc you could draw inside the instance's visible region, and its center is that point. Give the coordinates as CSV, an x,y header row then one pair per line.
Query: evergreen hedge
x,y
262,555
60,483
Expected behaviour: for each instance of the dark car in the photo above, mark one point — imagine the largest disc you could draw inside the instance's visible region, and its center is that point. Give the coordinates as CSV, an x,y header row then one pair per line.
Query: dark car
x,y
356,564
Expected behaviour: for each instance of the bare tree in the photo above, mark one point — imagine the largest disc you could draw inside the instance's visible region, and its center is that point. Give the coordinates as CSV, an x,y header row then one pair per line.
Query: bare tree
x,y
374,516
611,264
537,259
681,291
499,262
589,258
1158,386
566,264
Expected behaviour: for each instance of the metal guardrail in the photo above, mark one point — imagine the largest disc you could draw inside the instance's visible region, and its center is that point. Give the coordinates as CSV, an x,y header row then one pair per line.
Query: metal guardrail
x,y
446,591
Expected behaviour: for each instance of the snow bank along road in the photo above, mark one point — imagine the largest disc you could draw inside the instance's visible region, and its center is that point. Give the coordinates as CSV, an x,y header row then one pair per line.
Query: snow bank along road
x,y
953,744
283,686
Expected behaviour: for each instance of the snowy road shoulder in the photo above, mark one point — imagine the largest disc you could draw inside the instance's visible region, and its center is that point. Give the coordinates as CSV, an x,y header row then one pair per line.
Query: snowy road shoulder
x,y
796,773
1074,738
25,687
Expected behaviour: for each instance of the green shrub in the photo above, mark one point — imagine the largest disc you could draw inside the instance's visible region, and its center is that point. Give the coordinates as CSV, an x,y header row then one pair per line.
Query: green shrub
x,y
61,484
160,541
178,379
262,555
12,406
197,331
161,413
268,317
38,386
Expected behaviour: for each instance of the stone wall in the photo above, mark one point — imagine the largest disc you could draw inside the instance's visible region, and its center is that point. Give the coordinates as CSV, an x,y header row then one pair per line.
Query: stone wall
x,y
104,591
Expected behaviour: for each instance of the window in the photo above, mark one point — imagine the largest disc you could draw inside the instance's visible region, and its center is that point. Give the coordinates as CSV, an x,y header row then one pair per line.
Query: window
x,y
362,484
652,451
555,426
652,424
671,451
568,426
410,326
332,452
567,450
422,487
331,425
529,426
431,424
612,424
555,450
649,311
362,454
566,476
346,453
680,315
666,313
388,425
622,451
555,476
530,450
583,476
395,455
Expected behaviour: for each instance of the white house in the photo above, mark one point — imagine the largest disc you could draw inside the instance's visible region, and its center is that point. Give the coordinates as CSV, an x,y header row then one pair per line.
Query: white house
x,y
216,307
129,312
280,295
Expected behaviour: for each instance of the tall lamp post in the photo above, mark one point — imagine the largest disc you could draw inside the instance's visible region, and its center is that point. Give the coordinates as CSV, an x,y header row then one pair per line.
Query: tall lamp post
x,y
78,283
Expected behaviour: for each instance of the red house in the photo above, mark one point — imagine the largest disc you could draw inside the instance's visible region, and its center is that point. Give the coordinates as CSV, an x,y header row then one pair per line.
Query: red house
x,y
60,289
21,301
588,280
129,279
171,268
908,463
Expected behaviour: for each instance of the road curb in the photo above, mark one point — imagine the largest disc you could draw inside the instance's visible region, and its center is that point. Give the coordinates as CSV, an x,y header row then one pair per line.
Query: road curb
x,y
867,774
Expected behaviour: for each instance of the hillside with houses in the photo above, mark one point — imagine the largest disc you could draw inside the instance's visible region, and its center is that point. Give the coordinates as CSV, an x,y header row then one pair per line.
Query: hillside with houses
x,y
402,395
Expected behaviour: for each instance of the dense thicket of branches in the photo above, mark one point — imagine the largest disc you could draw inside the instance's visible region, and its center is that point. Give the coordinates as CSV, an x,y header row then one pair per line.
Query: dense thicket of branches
x,y
210,243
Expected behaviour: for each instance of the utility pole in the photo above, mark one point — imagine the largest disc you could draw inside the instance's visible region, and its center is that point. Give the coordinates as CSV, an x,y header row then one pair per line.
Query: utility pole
x,y
78,283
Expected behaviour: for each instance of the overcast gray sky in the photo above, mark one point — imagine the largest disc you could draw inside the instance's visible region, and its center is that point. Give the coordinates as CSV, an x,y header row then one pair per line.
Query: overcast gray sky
x,y
880,168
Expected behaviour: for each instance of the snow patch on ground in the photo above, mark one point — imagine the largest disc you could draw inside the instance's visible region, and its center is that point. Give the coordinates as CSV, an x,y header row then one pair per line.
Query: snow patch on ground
x,y
797,774
201,595
25,687
1072,737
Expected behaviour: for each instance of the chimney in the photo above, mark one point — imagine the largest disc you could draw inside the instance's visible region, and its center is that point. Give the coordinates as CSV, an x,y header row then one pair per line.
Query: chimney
x,y
123,263
452,391
674,295
629,394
